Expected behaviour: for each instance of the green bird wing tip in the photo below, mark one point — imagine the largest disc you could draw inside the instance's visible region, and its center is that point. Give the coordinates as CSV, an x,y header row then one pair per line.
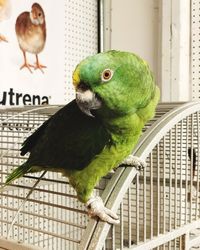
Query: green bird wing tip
x,y
17,173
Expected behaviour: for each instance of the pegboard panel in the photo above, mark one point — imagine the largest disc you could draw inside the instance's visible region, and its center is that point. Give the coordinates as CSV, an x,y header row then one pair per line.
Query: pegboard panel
x,y
81,37
69,39
195,49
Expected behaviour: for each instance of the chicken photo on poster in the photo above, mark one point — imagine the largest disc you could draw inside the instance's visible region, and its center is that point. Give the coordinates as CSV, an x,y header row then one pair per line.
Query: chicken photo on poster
x,y
30,29
5,12
32,61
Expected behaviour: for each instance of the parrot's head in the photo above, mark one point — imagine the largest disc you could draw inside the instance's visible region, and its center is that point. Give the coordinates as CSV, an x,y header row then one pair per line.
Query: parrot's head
x,y
113,83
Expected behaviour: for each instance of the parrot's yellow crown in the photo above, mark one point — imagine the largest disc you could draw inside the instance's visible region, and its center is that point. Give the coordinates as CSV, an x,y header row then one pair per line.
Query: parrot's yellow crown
x,y
76,77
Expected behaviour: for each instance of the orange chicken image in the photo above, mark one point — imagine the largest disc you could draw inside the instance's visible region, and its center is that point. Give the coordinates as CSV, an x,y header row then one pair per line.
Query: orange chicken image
x,y
31,34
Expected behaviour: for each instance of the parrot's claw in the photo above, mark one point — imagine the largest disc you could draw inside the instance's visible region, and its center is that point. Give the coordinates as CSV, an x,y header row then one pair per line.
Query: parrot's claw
x,y
112,171
96,208
134,161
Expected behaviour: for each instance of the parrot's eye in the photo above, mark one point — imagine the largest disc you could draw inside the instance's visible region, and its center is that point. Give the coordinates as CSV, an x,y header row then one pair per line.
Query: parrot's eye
x,y
106,75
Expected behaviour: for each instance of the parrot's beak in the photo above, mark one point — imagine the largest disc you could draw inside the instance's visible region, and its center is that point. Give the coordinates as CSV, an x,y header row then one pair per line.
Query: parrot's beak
x,y
86,99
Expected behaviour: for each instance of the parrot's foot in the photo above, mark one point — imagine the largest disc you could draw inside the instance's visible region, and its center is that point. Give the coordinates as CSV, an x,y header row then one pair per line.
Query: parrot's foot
x,y
112,171
134,161
28,66
3,39
96,208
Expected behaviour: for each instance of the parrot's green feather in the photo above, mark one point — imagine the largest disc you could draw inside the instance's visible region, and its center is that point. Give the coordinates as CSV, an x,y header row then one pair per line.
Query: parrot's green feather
x,y
125,133
86,148
18,172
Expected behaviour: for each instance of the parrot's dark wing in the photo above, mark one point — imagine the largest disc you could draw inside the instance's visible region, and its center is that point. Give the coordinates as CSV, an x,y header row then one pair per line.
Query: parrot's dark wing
x,y
68,140
31,141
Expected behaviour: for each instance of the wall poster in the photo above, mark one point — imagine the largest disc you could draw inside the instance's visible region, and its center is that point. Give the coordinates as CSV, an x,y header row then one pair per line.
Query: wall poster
x,y
40,44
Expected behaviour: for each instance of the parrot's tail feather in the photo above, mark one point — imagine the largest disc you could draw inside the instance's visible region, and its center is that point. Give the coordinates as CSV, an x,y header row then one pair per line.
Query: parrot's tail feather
x,y
17,173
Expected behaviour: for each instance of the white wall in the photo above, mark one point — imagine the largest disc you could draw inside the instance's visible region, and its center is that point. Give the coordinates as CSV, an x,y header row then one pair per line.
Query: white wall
x,y
174,58
135,27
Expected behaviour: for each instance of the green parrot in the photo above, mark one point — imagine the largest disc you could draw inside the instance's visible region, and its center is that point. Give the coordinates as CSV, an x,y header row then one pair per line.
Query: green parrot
x,y
115,96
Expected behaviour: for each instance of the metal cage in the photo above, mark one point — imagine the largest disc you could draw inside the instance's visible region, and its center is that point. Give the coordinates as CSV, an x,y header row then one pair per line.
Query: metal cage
x,y
158,207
